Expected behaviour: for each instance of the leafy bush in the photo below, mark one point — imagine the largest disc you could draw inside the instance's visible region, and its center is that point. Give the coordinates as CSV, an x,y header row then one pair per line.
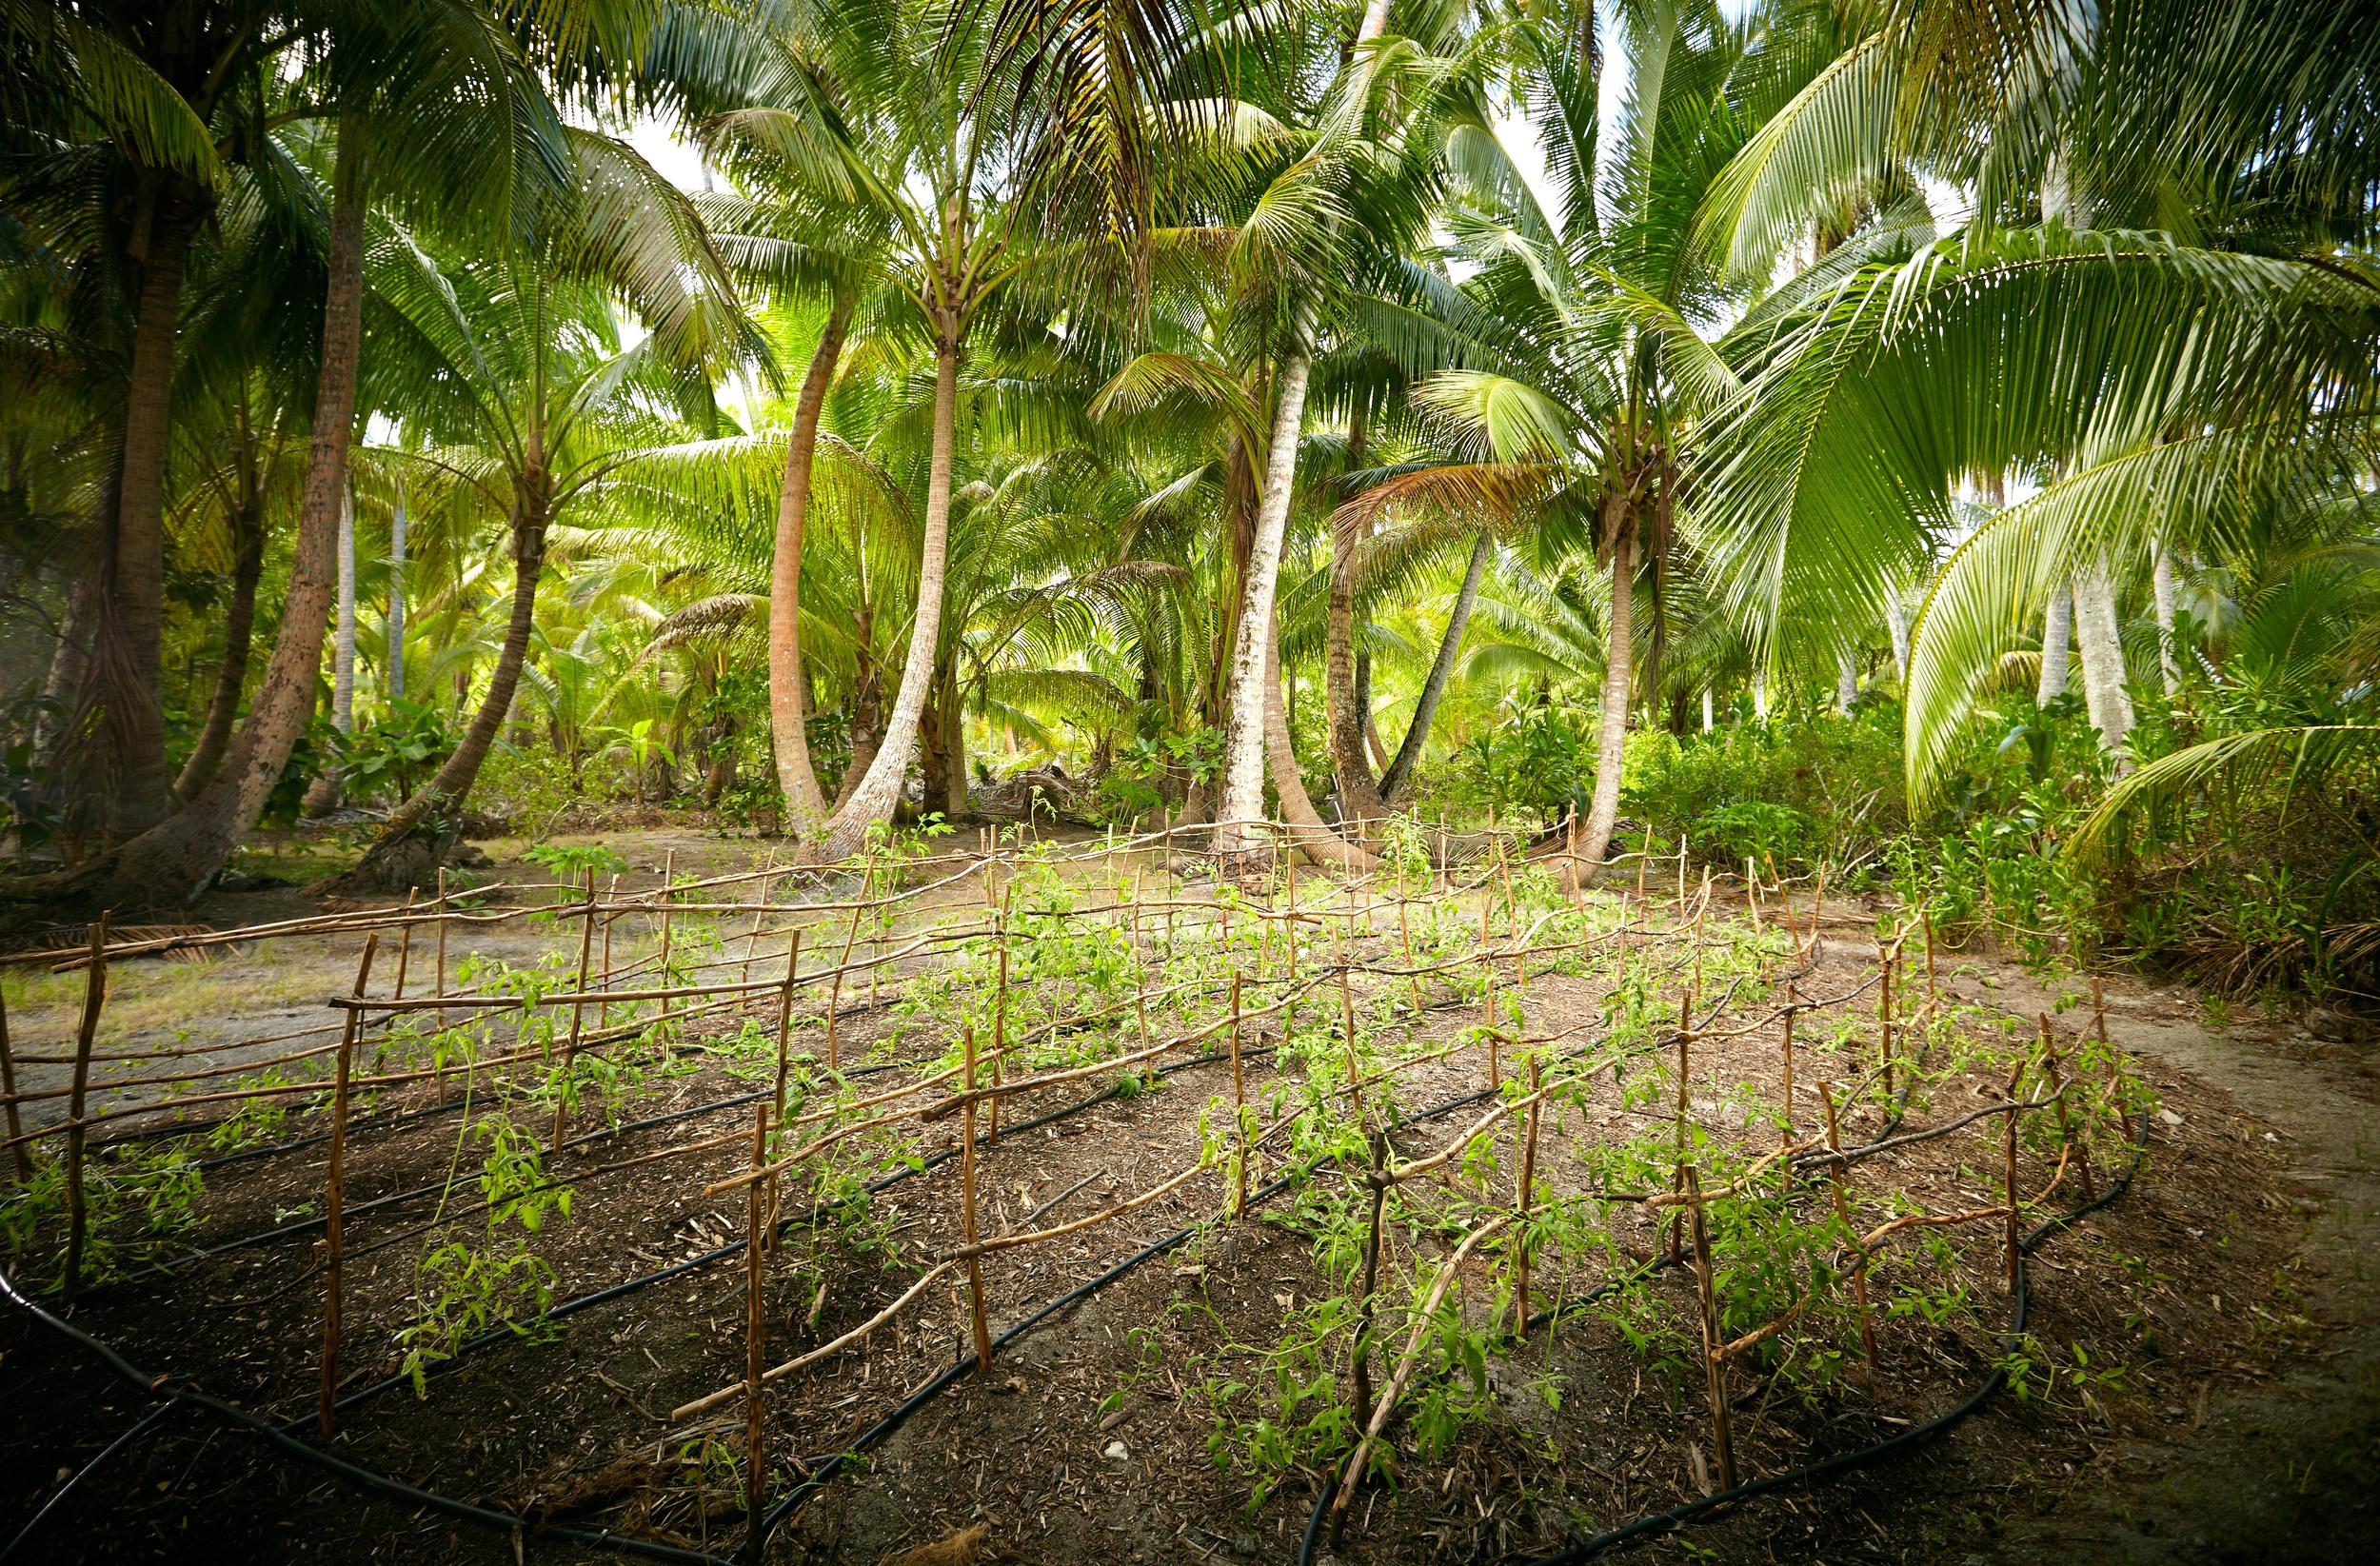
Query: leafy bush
x,y
1799,788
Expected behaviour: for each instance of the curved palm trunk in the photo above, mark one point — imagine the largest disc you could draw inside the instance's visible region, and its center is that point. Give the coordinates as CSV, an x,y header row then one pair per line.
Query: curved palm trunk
x,y
323,797
878,792
419,834
130,643
1308,831
1612,741
1441,668
1245,749
239,623
1359,796
173,862
2102,648
804,804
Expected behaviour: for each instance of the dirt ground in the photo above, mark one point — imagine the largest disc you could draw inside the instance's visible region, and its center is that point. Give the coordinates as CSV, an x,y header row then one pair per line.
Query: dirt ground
x,y
2227,1289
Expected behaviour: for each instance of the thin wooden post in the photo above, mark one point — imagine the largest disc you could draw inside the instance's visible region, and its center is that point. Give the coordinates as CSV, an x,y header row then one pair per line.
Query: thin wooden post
x,y
1347,1014
2008,1155
755,1329
445,917
668,897
2065,1122
1930,986
1792,1009
1238,1102
1685,1037
1681,878
577,1013
7,1086
1817,905
1714,1365
834,990
1884,1013
1526,1196
966,1176
1843,1211
1785,902
1404,934
784,1018
405,946
611,916
1751,893
94,998
1377,1178
334,1195
768,878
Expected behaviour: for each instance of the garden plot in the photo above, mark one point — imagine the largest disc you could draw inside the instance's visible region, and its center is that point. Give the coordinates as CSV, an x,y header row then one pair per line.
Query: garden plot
x,y
1114,1209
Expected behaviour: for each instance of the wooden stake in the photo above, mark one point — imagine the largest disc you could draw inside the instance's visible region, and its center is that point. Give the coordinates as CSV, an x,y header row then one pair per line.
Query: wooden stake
x,y
577,1012
1238,1102
834,990
94,998
768,880
2065,1124
1884,1013
1817,904
966,1176
1347,1014
1792,1009
7,1086
1751,893
1843,1211
755,1331
784,1018
611,895
1930,987
1685,1036
405,946
668,895
1714,1367
334,1196
1526,1194
1380,1183
2008,1152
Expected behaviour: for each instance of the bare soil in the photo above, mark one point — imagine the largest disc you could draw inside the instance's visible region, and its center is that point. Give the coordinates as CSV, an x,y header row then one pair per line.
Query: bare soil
x,y
2225,1287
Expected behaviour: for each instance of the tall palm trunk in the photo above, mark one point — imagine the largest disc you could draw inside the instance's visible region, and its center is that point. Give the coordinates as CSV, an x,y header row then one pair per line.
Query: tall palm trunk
x,y
2102,648
2057,630
804,804
174,861
1244,747
393,678
130,664
323,797
2163,581
1846,681
872,803
1417,732
1345,688
239,622
1612,741
419,834
1308,831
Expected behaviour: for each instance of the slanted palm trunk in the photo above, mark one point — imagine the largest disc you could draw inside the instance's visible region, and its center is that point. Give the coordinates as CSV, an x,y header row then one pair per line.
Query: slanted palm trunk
x,y
2058,627
130,661
420,833
2163,581
1359,796
1612,741
804,804
239,622
871,803
1441,668
173,862
323,797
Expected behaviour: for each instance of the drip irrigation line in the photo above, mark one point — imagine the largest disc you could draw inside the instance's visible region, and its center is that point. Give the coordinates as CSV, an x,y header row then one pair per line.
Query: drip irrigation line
x,y
140,1427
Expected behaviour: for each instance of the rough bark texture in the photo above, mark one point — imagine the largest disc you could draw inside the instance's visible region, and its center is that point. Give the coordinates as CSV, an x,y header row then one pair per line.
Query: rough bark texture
x,y
170,862
2102,648
69,662
131,627
1846,681
238,624
1441,668
1612,739
2058,626
322,797
880,789
804,804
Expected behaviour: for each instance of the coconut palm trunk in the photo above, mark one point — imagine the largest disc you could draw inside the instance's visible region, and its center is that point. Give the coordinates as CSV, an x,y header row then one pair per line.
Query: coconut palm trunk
x,y
872,803
1308,832
1612,739
805,802
419,834
392,678
239,623
174,861
1242,801
129,665
2057,631
2102,648
1441,668
2162,577
1358,795
323,797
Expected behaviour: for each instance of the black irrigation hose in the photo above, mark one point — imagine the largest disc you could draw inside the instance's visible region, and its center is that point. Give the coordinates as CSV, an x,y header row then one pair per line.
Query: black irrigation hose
x,y
370,1480
139,1428
283,1437
1825,1467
